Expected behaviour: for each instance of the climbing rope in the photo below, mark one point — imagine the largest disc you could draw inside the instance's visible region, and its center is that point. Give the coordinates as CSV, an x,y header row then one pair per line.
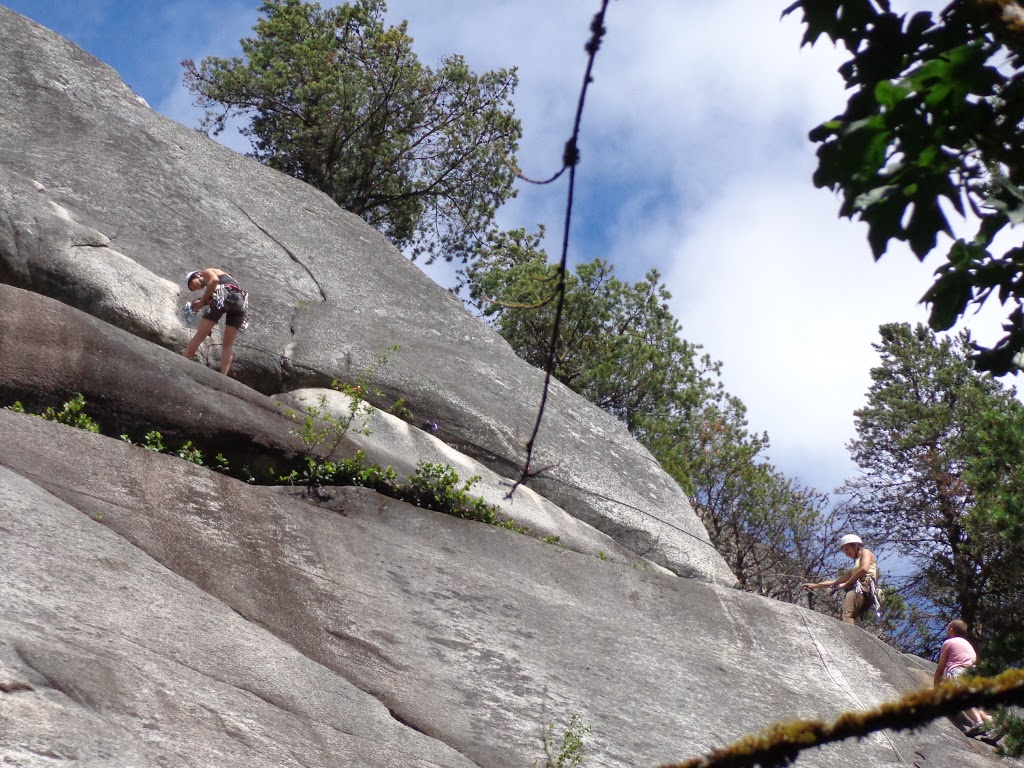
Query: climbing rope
x,y
846,688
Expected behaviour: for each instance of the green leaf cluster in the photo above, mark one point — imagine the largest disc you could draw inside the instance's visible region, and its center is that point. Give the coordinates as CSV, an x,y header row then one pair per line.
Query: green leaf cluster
x,y
335,97
432,486
569,751
619,345
72,413
933,126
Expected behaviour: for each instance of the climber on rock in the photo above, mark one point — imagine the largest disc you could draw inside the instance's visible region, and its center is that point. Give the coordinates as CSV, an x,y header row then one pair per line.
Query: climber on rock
x,y
222,297
860,582
955,659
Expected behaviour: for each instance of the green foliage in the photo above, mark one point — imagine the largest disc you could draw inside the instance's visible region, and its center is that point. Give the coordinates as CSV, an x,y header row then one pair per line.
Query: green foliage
x,y
939,446
154,441
315,472
340,100
570,750
619,345
72,413
355,471
934,123
189,452
773,532
437,487
1011,724
432,486
322,431
401,410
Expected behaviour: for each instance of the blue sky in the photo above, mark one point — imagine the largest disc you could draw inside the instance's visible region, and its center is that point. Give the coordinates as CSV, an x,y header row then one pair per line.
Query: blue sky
x,y
695,161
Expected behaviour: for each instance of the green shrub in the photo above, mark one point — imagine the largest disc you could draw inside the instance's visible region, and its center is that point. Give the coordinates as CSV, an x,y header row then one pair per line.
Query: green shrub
x,y
189,452
437,487
1012,744
570,751
431,486
154,441
72,413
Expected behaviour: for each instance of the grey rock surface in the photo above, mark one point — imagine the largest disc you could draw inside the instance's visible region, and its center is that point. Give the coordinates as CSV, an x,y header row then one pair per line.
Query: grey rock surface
x,y
48,351
108,658
389,441
133,387
154,613
159,611
105,205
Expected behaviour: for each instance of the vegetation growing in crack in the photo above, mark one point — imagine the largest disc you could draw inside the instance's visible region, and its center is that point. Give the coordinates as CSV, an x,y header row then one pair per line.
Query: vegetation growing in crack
x,y
567,752
433,486
72,414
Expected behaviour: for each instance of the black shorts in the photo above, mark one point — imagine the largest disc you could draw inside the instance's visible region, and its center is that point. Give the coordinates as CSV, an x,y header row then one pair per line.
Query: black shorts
x,y
230,303
234,319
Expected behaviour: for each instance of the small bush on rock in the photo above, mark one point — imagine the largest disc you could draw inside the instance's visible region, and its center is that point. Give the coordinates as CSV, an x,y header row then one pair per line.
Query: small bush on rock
x,y
72,413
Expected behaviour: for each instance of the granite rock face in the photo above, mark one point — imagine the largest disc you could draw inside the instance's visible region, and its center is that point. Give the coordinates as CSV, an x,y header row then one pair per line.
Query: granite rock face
x,y
105,205
156,613
132,387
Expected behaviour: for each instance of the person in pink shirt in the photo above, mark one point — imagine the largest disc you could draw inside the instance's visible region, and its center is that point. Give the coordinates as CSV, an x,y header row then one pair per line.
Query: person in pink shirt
x,y
956,657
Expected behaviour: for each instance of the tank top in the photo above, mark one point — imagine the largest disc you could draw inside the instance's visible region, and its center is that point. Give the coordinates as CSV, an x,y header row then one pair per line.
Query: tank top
x,y
960,655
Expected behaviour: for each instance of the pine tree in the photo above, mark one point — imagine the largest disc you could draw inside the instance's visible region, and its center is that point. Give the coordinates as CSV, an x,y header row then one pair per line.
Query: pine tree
x,y
336,98
931,470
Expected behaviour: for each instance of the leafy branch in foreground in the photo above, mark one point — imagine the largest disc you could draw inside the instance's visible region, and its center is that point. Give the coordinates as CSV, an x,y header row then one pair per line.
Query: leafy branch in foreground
x,y
780,744
933,126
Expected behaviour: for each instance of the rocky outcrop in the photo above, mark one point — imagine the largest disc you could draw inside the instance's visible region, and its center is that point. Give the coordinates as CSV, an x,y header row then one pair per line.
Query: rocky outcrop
x,y
105,205
156,613
133,387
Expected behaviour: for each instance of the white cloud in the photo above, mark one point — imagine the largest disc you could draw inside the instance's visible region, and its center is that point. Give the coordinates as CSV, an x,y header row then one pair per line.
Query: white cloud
x,y
696,161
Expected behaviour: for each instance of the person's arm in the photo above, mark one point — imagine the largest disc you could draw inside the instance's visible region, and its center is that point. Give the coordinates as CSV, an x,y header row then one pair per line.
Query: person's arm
x,y
211,279
940,665
808,586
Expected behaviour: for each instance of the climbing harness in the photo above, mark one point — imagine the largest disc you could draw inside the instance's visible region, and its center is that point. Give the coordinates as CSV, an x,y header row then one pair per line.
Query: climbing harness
x,y
228,297
873,593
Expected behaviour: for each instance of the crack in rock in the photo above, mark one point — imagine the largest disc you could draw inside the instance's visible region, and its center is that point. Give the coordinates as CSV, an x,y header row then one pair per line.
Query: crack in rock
x,y
286,249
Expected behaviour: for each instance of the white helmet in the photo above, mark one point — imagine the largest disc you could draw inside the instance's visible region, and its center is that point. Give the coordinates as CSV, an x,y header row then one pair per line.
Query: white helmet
x,y
190,275
850,538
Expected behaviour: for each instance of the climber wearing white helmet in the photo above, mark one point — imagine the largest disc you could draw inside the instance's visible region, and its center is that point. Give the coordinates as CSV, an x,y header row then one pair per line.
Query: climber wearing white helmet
x,y
860,582
222,297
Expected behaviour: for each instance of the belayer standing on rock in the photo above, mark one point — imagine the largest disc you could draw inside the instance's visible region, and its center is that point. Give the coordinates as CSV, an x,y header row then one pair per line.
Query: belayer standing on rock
x,y
860,582
222,296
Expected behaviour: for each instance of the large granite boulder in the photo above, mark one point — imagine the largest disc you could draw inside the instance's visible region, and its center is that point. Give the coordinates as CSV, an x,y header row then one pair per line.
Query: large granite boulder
x,y
105,205
157,613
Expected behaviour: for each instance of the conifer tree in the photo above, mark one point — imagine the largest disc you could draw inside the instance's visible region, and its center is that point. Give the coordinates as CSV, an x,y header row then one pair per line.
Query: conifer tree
x,y
933,468
340,100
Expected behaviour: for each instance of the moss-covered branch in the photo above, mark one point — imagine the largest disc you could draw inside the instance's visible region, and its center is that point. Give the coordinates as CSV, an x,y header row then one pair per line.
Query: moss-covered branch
x,y
780,744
